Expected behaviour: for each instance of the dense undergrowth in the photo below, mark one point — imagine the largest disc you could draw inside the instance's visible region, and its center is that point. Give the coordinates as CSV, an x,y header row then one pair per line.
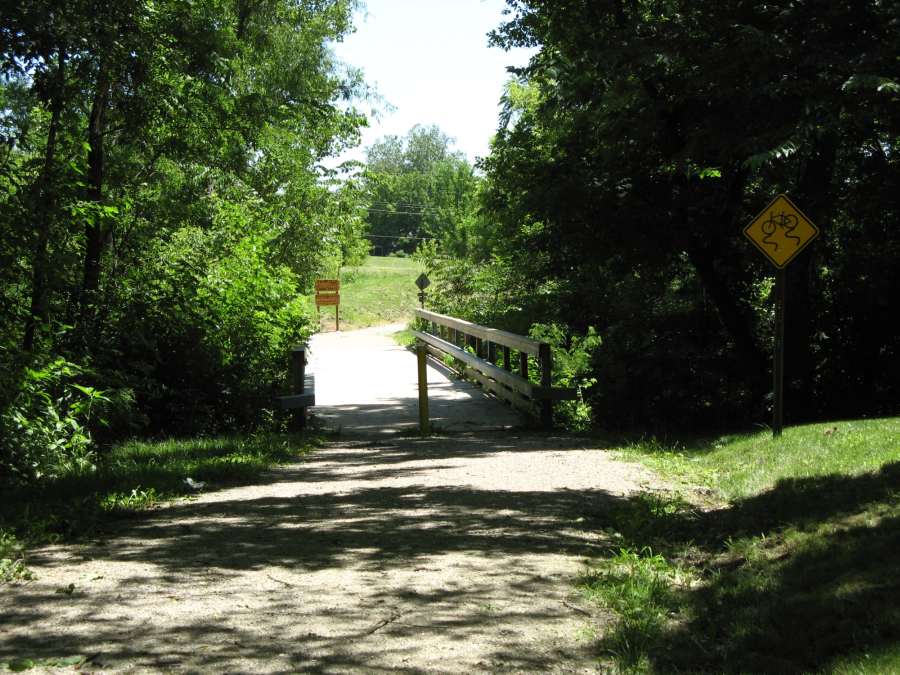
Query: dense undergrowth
x,y
782,562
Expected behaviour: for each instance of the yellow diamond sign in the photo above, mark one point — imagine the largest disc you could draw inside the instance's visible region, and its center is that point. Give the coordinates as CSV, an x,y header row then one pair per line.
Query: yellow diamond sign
x,y
781,231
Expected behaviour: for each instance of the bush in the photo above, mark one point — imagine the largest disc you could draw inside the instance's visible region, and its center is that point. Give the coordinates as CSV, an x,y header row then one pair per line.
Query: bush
x,y
572,356
44,426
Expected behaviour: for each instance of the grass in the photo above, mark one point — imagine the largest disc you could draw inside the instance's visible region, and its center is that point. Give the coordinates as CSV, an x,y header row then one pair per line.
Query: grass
x,y
380,291
133,477
404,338
741,465
787,565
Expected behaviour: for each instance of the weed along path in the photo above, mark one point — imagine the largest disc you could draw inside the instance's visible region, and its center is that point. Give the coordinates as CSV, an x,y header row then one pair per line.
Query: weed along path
x,y
378,553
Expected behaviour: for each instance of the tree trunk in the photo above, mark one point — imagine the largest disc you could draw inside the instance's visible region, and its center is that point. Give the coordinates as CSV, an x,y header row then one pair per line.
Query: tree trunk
x,y
96,235
703,253
815,197
734,319
44,199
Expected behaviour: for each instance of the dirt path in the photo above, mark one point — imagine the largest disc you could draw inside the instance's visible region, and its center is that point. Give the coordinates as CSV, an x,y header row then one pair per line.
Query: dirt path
x,y
451,554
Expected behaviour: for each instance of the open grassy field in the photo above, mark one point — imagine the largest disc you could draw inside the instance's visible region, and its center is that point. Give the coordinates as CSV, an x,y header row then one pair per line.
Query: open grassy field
x,y
380,291
774,555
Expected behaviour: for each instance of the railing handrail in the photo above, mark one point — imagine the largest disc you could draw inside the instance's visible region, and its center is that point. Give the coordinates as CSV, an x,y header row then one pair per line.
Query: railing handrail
x,y
499,337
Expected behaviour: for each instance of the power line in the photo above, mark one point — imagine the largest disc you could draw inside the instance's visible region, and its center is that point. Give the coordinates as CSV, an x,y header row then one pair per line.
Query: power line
x,y
402,213
398,236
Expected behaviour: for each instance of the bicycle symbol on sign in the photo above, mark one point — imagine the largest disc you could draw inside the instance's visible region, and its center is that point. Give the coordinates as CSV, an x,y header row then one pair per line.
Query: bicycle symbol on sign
x,y
787,222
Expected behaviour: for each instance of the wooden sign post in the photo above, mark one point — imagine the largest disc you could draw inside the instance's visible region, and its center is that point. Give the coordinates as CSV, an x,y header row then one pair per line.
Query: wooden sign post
x,y
328,294
780,232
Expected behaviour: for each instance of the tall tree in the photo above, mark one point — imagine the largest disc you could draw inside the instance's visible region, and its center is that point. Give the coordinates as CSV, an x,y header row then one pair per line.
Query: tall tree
x,y
141,138
653,132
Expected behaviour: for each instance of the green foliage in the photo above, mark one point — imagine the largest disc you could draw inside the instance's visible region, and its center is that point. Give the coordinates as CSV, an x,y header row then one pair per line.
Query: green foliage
x,y
633,149
639,586
12,559
134,476
417,187
44,426
23,664
167,210
572,367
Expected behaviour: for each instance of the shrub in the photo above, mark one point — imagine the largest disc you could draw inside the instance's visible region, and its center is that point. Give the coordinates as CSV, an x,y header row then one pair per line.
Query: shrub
x,y
44,426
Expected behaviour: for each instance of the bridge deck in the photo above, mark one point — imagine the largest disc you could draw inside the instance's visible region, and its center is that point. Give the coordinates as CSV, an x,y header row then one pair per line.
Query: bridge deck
x,y
366,386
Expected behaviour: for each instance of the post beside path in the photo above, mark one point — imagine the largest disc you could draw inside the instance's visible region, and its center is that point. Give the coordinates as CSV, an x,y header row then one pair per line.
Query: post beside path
x,y
780,232
303,389
421,353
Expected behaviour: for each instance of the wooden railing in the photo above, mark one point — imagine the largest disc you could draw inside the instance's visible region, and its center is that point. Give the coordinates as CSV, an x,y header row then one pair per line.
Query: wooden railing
x,y
491,364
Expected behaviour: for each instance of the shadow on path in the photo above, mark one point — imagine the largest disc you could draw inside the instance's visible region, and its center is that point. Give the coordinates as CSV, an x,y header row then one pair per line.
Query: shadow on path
x,y
375,556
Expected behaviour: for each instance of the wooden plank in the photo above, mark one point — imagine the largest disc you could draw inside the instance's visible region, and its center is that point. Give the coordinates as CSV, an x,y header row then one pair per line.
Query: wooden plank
x,y
514,398
500,337
537,393
326,300
300,400
296,401
333,285
421,352
509,379
437,354
554,394
298,368
545,360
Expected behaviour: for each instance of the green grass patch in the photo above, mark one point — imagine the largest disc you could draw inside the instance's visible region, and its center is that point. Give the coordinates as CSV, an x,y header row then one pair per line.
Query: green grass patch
x,y
380,291
789,566
404,338
745,464
132,477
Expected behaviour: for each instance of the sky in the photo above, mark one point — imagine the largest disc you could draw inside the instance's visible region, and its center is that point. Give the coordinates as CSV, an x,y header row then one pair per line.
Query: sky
x,y
430,61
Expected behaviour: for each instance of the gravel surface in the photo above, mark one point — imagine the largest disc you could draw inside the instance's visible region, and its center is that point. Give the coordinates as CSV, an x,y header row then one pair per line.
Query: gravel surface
x,y
449,554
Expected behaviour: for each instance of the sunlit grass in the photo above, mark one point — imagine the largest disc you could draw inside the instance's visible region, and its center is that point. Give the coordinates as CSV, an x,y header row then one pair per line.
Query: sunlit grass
x,y
789,566
742,465
379,292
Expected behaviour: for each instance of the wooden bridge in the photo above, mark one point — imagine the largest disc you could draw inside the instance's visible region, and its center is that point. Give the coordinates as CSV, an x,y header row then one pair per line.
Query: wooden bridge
x,y
486,355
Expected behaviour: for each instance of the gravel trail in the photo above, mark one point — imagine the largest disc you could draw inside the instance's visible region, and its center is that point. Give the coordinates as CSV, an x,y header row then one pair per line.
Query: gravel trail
x,y
383,553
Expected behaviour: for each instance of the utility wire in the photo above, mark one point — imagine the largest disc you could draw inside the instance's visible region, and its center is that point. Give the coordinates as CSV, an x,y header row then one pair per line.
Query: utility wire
x,y
398,236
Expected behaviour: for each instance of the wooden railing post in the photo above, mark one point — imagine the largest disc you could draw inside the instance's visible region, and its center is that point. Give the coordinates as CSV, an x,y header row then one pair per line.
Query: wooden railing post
x,y
510,382
421,353
298,378
546,358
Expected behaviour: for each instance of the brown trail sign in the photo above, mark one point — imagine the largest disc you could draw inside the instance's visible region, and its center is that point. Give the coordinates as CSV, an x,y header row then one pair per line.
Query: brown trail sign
x,y
328,295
